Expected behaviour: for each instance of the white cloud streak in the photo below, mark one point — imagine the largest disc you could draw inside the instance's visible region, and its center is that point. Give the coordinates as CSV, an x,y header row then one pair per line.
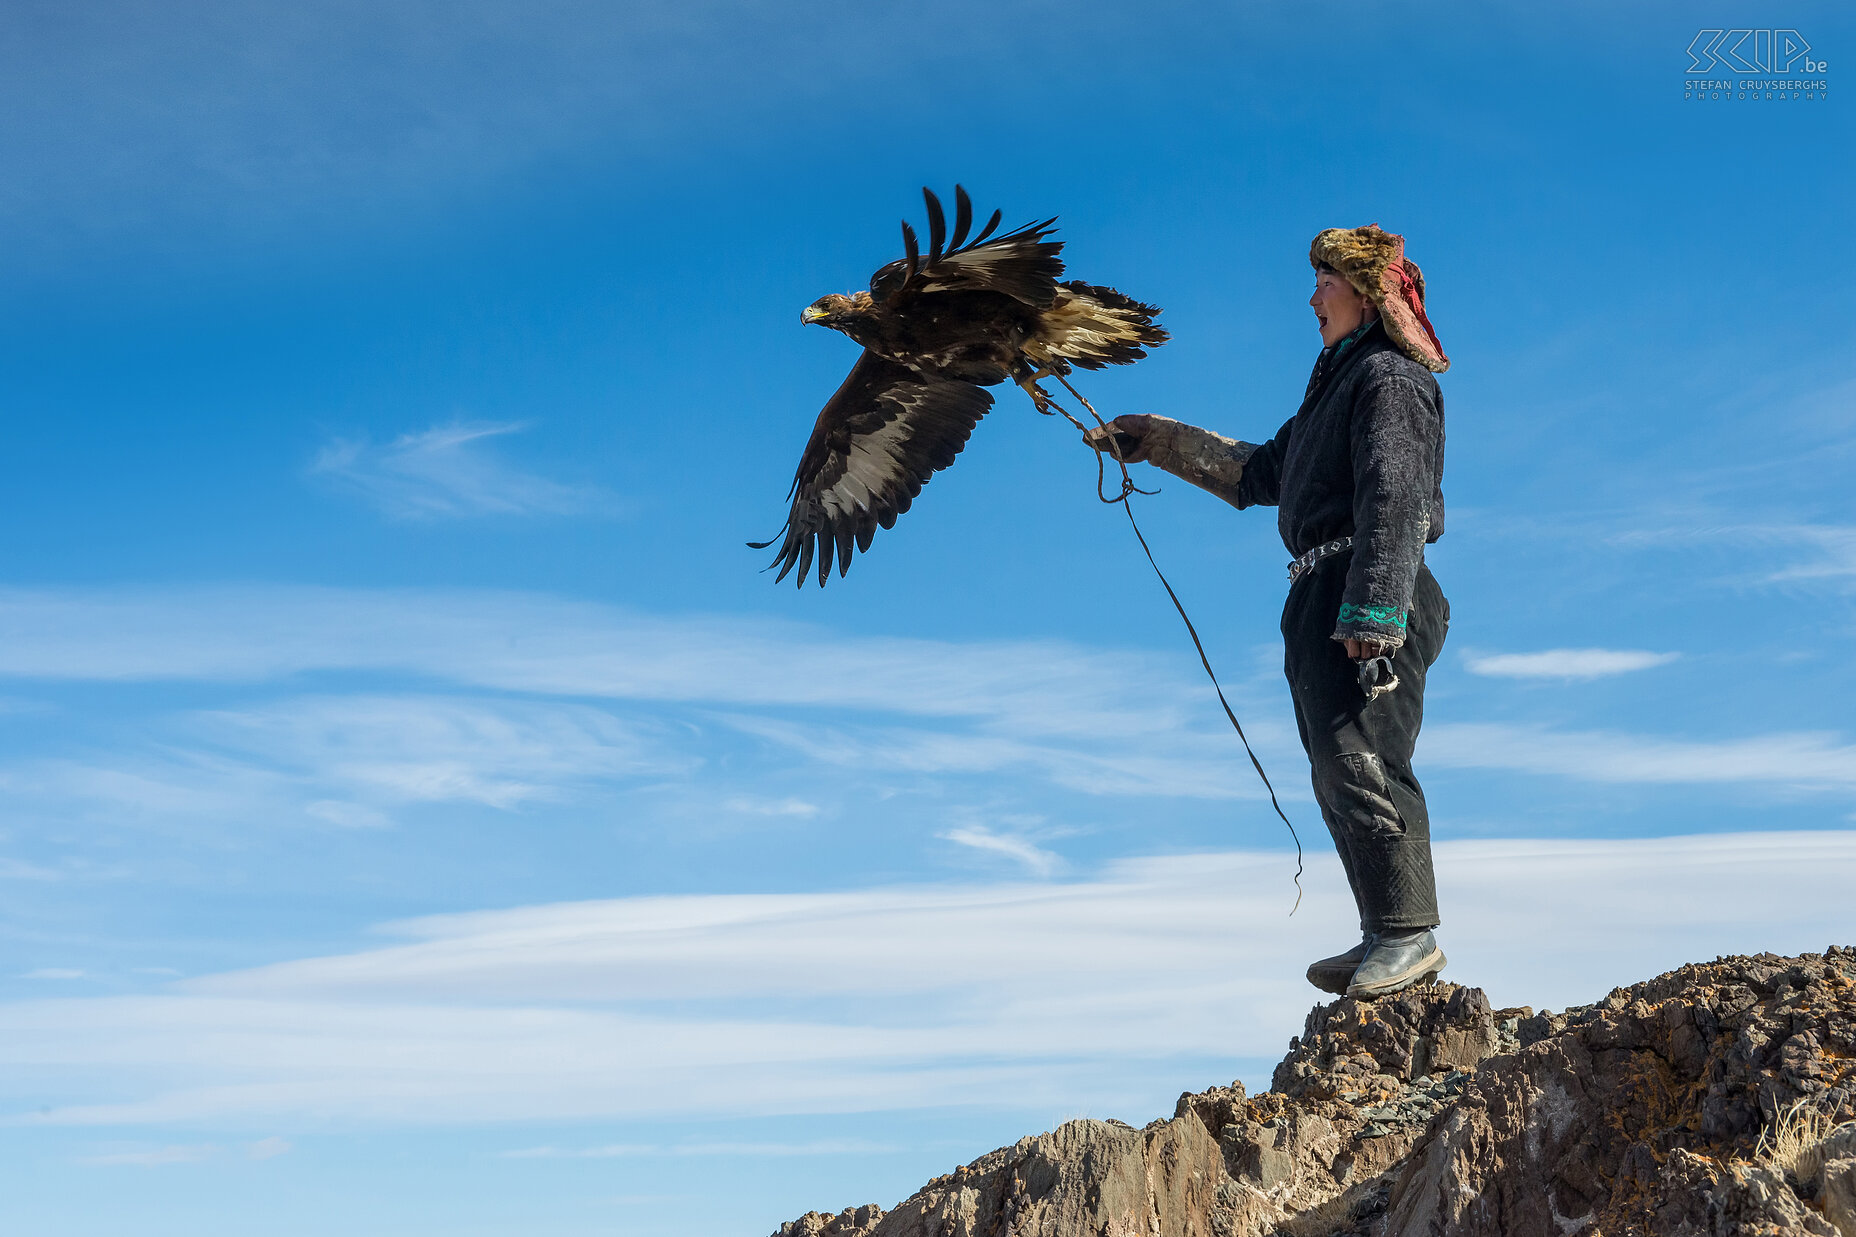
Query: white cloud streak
x,y
449,472
437,749
1804,760
1188,763
1566,663
1041,994
750,805
1833,559
980,708
1037,860
548,646
932,708
1801,555
820,1146
352,762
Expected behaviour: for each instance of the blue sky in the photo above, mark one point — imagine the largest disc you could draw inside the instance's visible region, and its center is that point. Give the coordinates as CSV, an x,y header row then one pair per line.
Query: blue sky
x,y
419,815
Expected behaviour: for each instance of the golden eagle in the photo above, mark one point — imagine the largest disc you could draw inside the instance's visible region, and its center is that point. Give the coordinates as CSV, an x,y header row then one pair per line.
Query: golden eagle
x,y
936,328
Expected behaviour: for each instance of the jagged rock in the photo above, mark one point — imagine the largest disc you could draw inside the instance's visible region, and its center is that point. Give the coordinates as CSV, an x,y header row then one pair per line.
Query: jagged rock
x,y
1632,1115
851,1222
1839,1194
1428,1113
1096,1177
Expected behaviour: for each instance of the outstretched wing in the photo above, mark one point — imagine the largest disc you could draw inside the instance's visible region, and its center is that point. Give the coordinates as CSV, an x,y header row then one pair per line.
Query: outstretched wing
x,y
876,443
1022,264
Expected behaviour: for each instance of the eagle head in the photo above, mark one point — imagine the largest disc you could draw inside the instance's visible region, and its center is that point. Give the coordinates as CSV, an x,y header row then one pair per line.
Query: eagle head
x,y
837,311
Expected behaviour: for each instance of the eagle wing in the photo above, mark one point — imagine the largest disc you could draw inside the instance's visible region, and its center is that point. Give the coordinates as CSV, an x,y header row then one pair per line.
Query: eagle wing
x,y
1022,264
877,441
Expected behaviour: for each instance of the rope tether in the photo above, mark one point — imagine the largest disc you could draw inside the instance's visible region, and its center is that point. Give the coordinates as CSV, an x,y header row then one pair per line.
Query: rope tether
x,y
1129,489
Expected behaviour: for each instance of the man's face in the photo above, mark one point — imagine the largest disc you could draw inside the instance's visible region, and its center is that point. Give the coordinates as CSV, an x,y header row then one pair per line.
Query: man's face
x,y
1338,308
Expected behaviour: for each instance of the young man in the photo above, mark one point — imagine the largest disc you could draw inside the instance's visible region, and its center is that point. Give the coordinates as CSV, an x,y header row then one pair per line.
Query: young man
x,y
1356,476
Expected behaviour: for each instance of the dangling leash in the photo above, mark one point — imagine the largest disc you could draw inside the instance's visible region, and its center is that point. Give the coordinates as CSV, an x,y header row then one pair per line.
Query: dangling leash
x,y
1128,490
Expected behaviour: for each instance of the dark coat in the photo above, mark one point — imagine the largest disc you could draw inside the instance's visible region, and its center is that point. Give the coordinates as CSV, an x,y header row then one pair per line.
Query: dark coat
x,y
1362,458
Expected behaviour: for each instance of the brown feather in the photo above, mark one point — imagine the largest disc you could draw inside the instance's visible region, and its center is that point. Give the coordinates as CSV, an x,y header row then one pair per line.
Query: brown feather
x,y
937,225
877,441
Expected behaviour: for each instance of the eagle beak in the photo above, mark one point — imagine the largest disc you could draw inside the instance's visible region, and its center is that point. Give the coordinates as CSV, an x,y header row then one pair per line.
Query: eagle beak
x,y
811,314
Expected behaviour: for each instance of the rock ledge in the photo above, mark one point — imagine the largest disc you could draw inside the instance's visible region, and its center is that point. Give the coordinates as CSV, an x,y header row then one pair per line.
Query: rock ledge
x,y
1718,1100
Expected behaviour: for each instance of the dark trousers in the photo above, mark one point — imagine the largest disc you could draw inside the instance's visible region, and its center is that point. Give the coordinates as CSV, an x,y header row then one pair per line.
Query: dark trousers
x,y
1360,753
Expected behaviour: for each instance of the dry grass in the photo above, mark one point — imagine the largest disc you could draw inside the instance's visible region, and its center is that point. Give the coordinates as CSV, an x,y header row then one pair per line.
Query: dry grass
x,y
1801,1138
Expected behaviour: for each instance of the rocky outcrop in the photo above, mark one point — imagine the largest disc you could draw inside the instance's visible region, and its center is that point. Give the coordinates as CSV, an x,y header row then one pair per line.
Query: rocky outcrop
x,y
1643,1113
1083,1177
1718,1100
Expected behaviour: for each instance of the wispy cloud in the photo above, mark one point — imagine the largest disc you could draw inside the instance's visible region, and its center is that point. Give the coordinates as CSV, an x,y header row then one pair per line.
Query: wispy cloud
x,y
1037,860
1185,762
1803,759
821,1146
888,997
503,736
1799,554
1830,558
18,869
1566,663
449,472
346,815
436,749
751,805
978,707
267,1149
350,762
544,645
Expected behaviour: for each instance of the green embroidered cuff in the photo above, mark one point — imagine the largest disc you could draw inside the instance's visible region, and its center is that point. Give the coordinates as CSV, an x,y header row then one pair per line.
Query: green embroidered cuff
x,y
1385,624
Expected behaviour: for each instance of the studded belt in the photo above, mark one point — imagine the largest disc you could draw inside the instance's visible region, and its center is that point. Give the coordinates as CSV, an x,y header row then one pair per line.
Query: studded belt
x,y
1325,550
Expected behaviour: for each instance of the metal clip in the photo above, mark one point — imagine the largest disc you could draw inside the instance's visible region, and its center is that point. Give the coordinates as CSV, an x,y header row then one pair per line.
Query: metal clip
x,y
1377,677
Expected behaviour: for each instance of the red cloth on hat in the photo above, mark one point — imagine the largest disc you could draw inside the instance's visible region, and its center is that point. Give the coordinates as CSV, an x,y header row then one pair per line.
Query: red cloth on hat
x,y
1406,289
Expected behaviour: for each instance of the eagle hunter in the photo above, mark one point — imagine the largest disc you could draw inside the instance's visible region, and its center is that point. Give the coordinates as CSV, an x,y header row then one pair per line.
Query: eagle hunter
x,y
936,328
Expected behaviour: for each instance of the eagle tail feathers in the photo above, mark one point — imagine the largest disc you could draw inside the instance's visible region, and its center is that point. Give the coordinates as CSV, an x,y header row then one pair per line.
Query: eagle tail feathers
x,y
1092,326
963,217
937,225
912,248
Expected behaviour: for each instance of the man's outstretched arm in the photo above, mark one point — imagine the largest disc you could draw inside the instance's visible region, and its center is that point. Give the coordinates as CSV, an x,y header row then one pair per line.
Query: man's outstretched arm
x,y
1241,473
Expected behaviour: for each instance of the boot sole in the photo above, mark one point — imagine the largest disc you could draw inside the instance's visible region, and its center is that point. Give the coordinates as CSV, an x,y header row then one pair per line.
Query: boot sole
x,y
1334,981
1424,971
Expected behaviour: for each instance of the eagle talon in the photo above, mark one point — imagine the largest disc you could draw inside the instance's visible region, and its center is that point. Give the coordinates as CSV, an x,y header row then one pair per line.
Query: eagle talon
x,y
1039,396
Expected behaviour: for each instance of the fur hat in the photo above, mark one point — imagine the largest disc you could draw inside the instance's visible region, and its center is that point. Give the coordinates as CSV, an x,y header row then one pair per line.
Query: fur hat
x,y
1374,262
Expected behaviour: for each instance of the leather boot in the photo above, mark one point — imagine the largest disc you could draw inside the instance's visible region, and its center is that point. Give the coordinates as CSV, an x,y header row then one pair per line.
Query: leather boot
x,y
1334,974
1395,961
